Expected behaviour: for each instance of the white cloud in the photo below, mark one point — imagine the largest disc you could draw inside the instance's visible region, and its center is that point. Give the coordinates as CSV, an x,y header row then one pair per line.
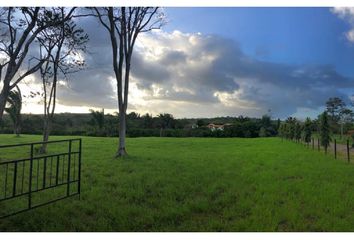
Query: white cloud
x,y
347,14
197,75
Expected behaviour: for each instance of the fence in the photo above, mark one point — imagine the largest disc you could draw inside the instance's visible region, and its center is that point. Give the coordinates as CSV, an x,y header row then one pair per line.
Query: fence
x,y
338,150
38,179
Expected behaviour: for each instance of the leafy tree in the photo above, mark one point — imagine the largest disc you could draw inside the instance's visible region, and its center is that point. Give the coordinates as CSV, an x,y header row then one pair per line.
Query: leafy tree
x,y
147,121
19,27
346,116
14,102
297,131
133,115
290,128
200,123
266,121
267,127
59,46
335,108
324,131
166,120
98,118
307,131
282,130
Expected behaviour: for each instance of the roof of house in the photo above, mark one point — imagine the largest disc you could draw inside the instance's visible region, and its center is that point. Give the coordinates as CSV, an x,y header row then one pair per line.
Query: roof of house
x,y
215,125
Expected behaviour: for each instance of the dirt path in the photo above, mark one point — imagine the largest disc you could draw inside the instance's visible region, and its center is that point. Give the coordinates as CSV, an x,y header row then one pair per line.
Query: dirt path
x,y
341,149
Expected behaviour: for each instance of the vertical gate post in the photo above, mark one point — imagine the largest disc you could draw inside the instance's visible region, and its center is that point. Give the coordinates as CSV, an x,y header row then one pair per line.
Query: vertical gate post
x,y
69,165
30,179
79,183
14,180
19,174
348,151
335,149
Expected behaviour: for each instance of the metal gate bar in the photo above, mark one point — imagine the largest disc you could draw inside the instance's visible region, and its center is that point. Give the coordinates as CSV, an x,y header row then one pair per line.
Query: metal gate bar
x,y
40,175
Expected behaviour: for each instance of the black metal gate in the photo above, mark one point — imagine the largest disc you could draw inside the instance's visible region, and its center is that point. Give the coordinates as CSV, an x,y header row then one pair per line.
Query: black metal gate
x,y
29,179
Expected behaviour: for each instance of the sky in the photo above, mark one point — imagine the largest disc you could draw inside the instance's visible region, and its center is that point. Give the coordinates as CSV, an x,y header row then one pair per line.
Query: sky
x,y
208,62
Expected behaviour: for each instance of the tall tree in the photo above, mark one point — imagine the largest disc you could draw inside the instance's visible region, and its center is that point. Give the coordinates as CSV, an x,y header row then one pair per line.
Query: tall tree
x,y
297,131
290,127
147,121
307,130
346,116
14,102
282,130
334,108
166,120
124,25
19,28
278,124
325,137
62,44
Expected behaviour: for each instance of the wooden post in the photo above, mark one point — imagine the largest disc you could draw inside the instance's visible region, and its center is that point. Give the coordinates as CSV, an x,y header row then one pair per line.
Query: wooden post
x,y
348,151
318,144
335,149
313,143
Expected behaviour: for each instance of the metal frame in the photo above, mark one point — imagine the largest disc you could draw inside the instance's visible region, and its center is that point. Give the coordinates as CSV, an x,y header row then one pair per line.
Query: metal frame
x,y
39,175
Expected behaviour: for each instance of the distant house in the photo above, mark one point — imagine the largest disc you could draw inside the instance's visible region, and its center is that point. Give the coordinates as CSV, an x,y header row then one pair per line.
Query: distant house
x,y
220,127
214,127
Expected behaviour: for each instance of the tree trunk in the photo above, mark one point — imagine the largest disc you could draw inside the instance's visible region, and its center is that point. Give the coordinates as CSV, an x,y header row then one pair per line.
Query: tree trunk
x,y
3,97
17,130
122,133
46,132
161,132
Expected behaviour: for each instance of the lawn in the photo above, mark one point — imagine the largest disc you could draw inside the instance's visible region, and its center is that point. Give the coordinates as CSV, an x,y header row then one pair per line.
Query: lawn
x,y
200,184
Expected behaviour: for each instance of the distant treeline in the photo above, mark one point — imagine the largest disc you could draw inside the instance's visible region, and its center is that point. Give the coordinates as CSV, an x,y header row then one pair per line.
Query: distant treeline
x,y
97,123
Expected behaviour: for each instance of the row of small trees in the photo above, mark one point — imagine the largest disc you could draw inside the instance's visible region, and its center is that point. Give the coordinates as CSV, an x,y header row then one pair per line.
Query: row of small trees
x,y
296,130
164,120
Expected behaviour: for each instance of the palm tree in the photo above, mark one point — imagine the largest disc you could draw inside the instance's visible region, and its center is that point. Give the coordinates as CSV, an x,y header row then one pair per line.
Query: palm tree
x,y
14,102
165,121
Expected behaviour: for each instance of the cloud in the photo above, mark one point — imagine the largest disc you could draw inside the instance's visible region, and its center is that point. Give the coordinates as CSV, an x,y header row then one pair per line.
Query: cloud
x,y
197,75
347,14
215,73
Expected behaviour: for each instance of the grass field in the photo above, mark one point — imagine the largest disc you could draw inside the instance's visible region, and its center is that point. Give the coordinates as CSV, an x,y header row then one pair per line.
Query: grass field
x,y
200,184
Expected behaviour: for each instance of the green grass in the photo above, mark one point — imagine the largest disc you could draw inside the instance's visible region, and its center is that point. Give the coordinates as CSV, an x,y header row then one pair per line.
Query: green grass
x,y
200,184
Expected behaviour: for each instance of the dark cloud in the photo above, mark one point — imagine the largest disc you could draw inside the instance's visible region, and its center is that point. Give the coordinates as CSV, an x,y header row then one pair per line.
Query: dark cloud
x,y
200,75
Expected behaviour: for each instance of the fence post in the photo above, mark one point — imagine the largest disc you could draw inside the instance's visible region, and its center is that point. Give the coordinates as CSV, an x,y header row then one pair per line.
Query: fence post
x,y
69,166
30,179
318,144
335,149
313,143
79,183
348,151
